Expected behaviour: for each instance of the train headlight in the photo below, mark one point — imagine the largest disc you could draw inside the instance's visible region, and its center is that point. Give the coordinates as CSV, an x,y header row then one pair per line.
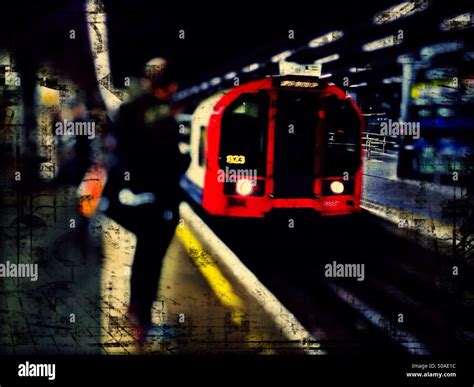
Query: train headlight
x,y
244,187
337,187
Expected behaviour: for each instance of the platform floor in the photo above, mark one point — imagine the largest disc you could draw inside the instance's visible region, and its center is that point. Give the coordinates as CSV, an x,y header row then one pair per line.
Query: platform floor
x,y
78,305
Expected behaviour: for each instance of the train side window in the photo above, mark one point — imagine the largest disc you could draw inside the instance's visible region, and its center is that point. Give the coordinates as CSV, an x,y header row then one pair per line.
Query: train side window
x,y
243,132
202,145
248,108
342,137
343,124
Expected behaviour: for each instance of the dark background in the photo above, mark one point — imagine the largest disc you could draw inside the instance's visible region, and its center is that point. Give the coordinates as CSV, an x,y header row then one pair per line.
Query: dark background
x,y
219,38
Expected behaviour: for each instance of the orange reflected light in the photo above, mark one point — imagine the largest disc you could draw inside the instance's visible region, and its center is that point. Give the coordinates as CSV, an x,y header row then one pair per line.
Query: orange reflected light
x,y
90,190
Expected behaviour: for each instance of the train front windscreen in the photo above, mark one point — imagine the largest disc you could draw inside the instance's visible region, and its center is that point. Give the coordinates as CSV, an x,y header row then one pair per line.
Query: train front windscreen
x,y
342,152
315,136
244,133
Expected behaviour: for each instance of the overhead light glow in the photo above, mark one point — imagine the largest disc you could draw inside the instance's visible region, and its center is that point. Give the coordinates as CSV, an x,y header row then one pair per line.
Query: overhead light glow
x,y
230,75
281,56
460,22
400,11
327,59
250,68
390,80
360,69
388,41
363,84
181,95
441,48
325,39
204,86
327,75
215,81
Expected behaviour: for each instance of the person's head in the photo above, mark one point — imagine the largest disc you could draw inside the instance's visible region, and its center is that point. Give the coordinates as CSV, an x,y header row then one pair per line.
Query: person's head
x,y
159,76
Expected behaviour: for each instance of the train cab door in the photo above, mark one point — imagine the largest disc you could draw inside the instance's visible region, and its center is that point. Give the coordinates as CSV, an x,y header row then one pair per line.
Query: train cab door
x,y
295,143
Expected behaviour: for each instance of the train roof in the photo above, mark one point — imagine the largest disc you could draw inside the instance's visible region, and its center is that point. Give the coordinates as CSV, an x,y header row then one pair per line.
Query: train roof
x,y
220,99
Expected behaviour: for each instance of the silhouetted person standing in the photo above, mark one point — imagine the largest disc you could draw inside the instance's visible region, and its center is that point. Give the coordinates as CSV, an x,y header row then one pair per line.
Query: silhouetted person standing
x,y
144,189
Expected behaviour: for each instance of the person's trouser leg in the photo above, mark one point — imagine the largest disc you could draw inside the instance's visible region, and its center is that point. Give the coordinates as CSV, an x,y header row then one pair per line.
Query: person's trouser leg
x,y
146,269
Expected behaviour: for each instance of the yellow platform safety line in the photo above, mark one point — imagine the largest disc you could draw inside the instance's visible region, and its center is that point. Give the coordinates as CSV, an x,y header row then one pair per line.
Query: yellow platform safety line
x,y
221,287
219,284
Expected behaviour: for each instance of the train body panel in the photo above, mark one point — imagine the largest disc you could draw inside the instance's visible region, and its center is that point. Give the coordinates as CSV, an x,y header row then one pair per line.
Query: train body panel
x,y
289,142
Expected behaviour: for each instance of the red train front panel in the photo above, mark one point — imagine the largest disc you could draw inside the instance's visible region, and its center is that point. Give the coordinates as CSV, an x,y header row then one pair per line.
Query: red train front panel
x,y
283,143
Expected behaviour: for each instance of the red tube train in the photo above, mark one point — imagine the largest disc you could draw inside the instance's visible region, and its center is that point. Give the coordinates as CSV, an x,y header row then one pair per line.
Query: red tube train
x,y
282,142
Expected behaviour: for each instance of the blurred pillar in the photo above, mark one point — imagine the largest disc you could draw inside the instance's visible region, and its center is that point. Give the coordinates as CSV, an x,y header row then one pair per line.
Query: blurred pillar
x,y
409,70
27,69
